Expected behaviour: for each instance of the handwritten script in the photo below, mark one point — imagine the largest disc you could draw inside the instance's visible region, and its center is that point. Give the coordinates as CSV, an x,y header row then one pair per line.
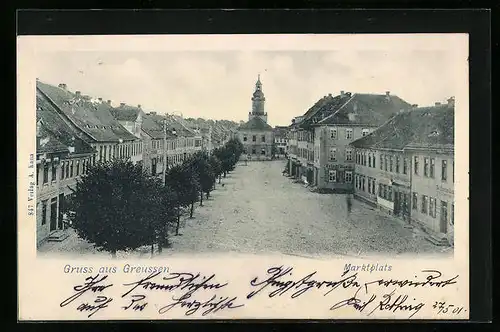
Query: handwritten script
x,y
196,294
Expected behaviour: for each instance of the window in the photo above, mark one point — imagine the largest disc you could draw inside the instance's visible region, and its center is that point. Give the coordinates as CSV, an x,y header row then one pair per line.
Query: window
x,y
432,167
373,186
45,172
332,175
369,160
105,147
453,171
37,175
390,163
67,169
263,152
77,168
100,153
444,170
348,154
71,170
426,167
333,154
373,161
389,193
369,185
253,151
415,165
385,163
348,133
381,162
414,203
424,204
405,165
364,132
333,133
244,138
397,164
363,183
452,214
254,138
54,172
432,207
364,159
380,190
348,177
263,138
44,212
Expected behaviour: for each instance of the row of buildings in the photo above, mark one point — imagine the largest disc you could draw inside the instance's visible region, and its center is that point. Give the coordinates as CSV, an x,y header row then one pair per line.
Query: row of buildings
x,y
75,131
387,152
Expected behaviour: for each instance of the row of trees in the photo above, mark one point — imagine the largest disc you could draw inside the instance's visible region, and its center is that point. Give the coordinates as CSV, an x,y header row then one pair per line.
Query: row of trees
x,y
117,206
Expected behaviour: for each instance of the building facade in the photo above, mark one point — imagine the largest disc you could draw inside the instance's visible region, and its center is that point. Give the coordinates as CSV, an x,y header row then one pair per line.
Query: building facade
x,y
281,140
256,134
320,152
409,163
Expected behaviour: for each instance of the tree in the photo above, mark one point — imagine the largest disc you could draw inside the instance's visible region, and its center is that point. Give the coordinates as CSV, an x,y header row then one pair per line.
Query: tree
x,y
182,180
117,207
216,166
200,164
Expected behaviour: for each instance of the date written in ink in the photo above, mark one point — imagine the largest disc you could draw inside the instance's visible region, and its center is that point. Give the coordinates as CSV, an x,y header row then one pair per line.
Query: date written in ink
x,y
446,308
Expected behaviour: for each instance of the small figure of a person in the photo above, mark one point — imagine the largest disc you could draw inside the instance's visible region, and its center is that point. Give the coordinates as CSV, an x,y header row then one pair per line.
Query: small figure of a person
x,y
349,203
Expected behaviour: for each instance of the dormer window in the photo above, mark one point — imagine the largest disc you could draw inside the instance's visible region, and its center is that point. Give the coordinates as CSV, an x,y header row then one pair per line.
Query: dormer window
x,y
434,133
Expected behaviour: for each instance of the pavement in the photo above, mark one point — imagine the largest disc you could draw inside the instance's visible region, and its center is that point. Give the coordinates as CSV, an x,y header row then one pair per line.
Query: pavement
x,y
259,210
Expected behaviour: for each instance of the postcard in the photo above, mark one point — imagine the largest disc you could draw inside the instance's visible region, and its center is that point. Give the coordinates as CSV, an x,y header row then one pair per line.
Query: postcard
x,y
215,177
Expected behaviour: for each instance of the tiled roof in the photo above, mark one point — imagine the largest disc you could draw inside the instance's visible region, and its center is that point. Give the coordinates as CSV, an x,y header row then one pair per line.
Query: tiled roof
x,y
152,124
125,113
424,127
91,116
368,109
54,134
255,123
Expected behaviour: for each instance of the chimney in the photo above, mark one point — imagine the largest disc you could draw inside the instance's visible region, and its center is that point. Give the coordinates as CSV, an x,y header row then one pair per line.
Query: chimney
x,y
387,93
78,93
342,93
100,99
109,101
437,103
122,104
152,113
139,106
62,86
414,106
451,102
329,95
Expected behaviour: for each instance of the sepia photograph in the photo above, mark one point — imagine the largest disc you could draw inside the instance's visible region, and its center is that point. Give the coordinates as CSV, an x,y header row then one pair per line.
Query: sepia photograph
x,y
299,152
232,174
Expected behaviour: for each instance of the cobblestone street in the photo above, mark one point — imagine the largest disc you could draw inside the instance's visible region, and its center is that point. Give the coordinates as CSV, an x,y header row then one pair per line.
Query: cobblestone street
x,y
261,211
258,210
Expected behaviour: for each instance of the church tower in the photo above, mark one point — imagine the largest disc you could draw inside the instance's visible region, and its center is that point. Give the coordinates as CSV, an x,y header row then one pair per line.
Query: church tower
x,y
258,101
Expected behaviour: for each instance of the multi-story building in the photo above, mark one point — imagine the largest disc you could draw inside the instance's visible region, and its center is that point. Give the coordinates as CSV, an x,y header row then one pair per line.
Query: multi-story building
x,y
61,157
324,157
256,134
93,120
281,140
406,167
131,118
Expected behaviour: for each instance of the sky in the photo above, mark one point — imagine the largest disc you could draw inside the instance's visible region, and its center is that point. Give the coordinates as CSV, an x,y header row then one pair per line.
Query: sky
x,y
219,84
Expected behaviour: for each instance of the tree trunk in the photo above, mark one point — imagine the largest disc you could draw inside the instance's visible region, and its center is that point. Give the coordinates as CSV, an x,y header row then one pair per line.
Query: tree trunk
x,y
220,177
192,210
201,198
208,194
224,174
113,254
152,248
178,222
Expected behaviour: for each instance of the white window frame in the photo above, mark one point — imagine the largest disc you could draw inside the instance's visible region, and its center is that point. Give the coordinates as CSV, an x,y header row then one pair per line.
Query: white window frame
x,y
348,177
333,133
348,154
365,132
332,175
333,152
347,131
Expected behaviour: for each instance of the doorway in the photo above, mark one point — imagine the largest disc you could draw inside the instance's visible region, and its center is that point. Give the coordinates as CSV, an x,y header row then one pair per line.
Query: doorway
x,y
53,214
